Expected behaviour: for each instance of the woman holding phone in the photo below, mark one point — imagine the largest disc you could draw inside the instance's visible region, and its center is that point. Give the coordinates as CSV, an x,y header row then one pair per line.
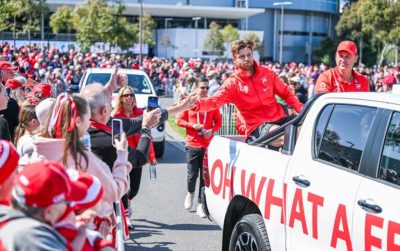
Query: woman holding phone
x,y
126,108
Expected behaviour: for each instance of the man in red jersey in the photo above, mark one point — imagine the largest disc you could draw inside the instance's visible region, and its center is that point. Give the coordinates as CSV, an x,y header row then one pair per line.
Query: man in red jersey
x,y
252,88
343,78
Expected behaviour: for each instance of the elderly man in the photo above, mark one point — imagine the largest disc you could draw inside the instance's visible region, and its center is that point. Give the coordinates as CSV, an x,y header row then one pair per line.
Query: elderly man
x,y
99,99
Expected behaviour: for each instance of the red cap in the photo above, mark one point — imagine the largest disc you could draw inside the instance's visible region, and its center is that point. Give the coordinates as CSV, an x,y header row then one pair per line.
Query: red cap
x,y
13,84
42,90
347,46
4,65
8,160
46,183
93,189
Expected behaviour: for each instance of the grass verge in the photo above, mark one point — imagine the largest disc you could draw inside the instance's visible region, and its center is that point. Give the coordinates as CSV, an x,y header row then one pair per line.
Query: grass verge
x,y
180,130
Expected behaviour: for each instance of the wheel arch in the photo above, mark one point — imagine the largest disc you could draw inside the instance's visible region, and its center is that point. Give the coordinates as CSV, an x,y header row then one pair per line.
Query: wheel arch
x,y
238,207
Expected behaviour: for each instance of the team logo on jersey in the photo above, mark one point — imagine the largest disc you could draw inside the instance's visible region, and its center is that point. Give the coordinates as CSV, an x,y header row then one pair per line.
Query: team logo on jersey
x,y
322,85
244,88
263,80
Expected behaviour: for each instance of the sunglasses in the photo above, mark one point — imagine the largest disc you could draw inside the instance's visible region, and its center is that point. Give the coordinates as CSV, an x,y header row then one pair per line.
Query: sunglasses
x,y
204,87
131,95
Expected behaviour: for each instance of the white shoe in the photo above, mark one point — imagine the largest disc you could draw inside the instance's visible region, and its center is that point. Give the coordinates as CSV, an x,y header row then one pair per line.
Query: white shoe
x,y
189,201
200,211
128,222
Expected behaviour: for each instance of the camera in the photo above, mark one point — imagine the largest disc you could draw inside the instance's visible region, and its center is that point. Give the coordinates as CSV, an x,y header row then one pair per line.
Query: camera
x,y
202,132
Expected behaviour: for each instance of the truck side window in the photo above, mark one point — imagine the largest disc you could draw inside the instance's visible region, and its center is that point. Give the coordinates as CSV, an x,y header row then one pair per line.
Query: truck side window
x,y
345,135
321,125
389,168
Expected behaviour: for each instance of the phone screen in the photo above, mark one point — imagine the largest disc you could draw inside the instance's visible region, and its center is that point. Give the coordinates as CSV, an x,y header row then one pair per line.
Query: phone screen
x,y
152,103
116,129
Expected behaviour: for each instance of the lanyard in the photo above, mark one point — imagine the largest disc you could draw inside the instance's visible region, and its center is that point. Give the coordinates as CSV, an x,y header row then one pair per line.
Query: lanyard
x,y
204,120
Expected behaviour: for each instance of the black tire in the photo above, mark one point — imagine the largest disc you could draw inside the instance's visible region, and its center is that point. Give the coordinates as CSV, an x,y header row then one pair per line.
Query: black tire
x,y
249,233
159,148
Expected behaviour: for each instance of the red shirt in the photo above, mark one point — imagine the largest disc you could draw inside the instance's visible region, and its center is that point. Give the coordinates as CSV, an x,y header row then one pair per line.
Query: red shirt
x,y
187,119
332,81
133,141
253,96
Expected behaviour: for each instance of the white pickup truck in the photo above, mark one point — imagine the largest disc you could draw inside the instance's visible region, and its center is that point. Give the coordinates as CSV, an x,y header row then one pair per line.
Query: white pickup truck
x,y
333,185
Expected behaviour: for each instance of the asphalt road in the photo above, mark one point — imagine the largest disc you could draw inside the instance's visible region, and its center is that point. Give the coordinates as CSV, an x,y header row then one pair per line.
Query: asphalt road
x,y
159,218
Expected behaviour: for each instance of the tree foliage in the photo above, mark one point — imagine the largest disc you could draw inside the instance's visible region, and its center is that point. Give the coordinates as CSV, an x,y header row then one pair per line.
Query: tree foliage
x,y
214,40
21,16
61,19
229,33
95,21
148,30
374,22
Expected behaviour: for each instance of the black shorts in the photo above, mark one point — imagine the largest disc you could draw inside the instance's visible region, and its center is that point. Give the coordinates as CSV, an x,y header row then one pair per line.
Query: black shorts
x,y
265,127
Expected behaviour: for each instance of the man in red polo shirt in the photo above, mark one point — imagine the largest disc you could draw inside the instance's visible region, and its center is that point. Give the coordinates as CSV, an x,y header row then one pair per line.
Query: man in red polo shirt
x,y
343,78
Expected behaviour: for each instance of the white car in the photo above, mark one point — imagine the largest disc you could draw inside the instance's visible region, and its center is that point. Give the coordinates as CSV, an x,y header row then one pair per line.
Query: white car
x,y
143,88
332,186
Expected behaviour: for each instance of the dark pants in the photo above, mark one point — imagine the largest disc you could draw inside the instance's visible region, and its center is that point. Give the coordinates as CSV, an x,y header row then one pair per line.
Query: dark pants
x,y
265,127
194,158
135,176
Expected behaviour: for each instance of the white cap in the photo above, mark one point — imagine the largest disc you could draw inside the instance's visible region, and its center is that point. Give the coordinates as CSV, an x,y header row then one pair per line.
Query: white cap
x,y
43,109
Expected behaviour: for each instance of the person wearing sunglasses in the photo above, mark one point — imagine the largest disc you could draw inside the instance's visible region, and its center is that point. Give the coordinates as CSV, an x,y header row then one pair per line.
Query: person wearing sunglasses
x,y
200,128
126,108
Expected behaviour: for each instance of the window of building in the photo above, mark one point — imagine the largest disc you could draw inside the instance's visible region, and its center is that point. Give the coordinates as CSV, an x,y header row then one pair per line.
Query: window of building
x,y
241,3
389,168
341,134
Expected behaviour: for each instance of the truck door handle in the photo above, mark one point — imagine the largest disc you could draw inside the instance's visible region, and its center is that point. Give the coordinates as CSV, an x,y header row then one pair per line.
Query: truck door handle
x,y
301,181
369,207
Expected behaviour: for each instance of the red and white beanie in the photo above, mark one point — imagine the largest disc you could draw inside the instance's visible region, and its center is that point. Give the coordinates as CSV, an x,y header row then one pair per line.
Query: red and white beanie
x,y
8,160
94,189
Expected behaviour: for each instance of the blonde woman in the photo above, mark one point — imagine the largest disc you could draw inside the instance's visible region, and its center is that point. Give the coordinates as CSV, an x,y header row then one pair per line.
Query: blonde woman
x,y
126,108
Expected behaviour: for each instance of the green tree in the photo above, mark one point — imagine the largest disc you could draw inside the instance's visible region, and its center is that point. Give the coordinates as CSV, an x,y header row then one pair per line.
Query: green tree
x,y
229,34
61,20
119,31
373,24
90,22
148,30
325,52
214,40
95,22
252,36
21,16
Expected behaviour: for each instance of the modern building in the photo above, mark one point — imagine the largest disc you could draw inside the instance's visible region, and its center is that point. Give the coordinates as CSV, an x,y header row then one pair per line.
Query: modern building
x,y
289,30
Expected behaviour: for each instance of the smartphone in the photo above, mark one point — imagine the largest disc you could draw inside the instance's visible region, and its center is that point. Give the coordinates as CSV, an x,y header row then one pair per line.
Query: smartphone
x,y
152,103
116,126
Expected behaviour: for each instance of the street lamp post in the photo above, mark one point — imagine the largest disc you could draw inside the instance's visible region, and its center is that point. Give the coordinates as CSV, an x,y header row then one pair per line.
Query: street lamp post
x,y
141,32
282,4
196,19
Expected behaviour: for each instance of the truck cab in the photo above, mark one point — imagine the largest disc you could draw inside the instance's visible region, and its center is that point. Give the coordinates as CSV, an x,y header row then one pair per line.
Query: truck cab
x,y
331,186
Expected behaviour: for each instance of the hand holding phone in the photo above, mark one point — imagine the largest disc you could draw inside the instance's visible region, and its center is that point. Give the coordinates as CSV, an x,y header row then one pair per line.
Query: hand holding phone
x,y
116,126
152,103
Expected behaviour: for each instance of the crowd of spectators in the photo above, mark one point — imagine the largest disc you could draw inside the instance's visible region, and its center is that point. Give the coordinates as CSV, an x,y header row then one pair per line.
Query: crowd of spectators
x,y
61,69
